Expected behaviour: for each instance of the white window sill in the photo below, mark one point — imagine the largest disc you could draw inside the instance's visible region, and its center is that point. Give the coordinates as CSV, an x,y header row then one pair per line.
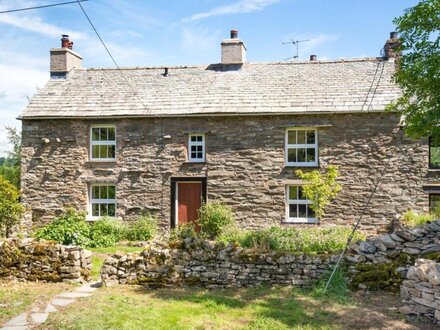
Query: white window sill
x,y
195,161
300,221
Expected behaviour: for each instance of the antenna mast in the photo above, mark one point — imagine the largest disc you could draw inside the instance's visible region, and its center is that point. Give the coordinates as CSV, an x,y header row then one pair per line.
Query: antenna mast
x,y
294,42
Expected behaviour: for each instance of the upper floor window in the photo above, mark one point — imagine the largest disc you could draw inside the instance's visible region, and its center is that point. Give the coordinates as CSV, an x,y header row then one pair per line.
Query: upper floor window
x,y
301,147
298,206
103,143
102,200
196,147
434,153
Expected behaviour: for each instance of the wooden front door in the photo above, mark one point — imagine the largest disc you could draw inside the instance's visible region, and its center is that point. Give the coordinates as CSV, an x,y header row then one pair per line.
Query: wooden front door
x,y
189,200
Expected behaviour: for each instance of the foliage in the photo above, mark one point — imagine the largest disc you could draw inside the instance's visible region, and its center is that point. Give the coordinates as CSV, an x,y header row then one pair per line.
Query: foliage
x,y
144,229
337,289
182,232
10,208
106,232
418,73
414,219
307,240
68,229
320,188
10,166
214,217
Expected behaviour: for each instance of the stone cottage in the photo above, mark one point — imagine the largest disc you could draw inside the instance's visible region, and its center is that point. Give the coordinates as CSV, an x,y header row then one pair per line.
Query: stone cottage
x,y
162,139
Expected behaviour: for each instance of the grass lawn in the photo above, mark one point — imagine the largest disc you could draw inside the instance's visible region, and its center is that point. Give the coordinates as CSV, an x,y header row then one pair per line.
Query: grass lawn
x,y
17,297
125,307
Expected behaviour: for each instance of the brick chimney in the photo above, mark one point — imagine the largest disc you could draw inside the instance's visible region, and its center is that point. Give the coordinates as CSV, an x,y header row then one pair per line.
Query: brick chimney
x,y
233,50
391,48
64,59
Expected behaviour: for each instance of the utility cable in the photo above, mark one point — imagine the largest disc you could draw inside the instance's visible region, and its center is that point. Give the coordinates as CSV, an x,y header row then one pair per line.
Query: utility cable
x,y
40,7
376,185
355,227
110,54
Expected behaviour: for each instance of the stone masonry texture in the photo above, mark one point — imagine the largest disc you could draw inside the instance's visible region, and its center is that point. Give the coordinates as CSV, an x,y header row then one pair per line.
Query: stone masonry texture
x,y
245,166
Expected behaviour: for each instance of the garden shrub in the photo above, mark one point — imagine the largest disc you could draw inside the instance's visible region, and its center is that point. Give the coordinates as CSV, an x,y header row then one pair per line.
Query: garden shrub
x,y
307,240
413,219
106,232
214,217
144,229
182,232
10,207
68,229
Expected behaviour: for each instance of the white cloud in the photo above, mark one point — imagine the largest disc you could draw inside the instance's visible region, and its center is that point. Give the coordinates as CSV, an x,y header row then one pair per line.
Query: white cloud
x,y
240,7
195,40
36,24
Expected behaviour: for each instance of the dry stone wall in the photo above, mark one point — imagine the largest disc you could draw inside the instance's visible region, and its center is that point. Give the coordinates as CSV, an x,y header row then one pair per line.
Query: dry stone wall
x,y
212,265
32,260
378,263
383,262
245,166
421,291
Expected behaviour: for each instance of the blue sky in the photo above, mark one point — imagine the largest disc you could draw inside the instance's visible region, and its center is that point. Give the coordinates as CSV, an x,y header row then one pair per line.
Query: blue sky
x,y
180,32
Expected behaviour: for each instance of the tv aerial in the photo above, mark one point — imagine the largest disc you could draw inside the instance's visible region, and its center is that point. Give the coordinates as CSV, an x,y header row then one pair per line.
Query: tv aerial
x,y
296,43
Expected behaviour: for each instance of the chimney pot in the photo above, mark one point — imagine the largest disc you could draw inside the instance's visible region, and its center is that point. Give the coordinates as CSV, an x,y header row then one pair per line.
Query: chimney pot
x,y
65,41
394,35
234,34
313,58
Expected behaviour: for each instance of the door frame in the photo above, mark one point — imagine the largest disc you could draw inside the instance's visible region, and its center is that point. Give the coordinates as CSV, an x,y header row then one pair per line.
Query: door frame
x,y
173,201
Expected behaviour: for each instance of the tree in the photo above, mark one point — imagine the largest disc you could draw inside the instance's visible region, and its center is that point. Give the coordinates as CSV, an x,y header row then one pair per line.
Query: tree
x,y
320,188
10,208
418,71
10,167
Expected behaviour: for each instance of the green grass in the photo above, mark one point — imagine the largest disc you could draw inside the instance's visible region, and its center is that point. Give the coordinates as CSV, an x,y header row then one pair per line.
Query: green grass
x,y
117,248
18,297
129,307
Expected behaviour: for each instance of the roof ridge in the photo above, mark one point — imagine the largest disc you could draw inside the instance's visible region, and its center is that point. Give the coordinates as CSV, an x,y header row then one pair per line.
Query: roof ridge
x,y
195,66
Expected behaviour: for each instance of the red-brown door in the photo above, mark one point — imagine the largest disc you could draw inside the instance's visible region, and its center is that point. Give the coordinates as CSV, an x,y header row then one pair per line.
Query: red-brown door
x,y
189,200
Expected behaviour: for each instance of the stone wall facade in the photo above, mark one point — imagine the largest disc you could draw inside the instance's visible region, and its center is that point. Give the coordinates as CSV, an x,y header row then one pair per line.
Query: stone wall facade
x,y
213,265
245,166
421,292
32,260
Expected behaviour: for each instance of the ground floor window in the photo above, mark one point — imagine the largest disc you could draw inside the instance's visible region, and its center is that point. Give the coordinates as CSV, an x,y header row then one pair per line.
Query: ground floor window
x,y
434,202
434,153
102,200
298,206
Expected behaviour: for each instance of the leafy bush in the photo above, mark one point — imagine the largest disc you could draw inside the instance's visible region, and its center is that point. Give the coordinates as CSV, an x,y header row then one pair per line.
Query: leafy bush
x,y
320,188
308,240
68,229
214,217
10,207
143,229
413,219
106,232
182,232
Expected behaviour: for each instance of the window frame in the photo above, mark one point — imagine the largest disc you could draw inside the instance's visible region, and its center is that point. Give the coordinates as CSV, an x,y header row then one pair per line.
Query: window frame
x,y
197,143
302,145
289,202
99,143
430,166
92,201
431,194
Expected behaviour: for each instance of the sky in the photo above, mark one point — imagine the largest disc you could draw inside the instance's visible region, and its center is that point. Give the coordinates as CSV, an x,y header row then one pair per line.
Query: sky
x,y
180,32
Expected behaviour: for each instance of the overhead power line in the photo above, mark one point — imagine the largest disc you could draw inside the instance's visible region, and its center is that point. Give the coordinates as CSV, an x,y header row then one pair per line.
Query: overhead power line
x,y
109,53
40,7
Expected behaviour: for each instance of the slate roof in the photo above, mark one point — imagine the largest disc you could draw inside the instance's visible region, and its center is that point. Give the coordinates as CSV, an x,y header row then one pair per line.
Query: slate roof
x,y
358,85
